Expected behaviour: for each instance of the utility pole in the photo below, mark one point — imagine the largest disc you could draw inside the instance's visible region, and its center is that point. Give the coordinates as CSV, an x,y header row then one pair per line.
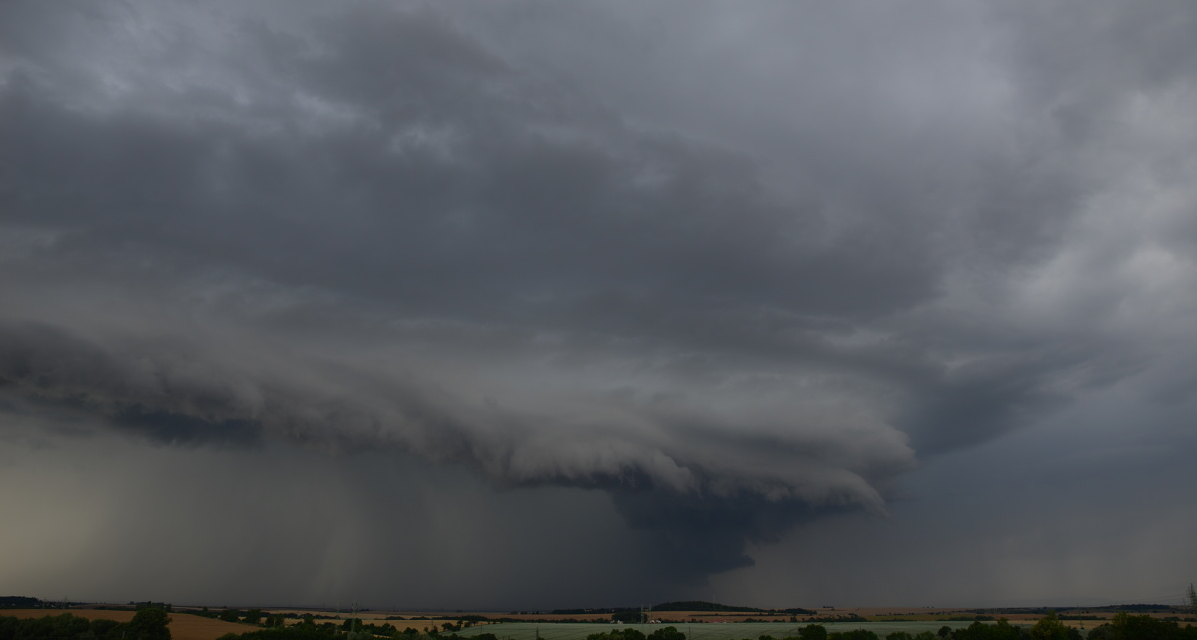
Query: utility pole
x,y
1192,599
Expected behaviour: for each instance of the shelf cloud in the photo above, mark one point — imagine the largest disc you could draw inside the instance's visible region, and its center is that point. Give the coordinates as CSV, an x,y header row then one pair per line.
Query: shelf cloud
x,y
736,269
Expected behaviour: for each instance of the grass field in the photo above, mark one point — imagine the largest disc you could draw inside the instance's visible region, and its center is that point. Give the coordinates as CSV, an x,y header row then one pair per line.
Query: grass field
x,y
729,631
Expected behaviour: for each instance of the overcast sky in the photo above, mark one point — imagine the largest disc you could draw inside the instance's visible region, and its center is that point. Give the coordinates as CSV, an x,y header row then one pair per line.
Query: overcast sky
x,y
535,304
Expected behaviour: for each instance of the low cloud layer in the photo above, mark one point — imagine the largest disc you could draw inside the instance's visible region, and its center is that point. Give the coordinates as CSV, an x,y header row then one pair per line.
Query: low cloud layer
x,y
721,266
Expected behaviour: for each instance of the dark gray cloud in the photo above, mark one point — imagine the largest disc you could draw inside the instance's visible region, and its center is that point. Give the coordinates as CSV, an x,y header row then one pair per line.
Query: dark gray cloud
x,y
736,269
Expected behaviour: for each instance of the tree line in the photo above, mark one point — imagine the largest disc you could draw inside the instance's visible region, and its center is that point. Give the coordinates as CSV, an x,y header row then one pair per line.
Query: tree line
x,y
1122,626
147,624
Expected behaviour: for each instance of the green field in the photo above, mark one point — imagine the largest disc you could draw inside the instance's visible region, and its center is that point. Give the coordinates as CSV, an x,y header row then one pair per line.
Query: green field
x,y
703,631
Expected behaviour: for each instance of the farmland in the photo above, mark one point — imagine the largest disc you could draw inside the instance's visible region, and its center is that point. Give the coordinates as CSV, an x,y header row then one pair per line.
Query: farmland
x,y
182,627
715,622
701,631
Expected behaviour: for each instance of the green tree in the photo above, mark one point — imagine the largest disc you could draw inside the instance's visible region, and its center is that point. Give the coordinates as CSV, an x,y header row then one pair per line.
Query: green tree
x,y
981,631
1124,626
1003,630
1049,627
667,633
64,626
101,628
149,624
855,634
813,632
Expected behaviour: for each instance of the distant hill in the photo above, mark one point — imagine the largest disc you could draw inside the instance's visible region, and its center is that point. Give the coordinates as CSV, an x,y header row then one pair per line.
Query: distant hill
x,y
685,605
576,612
1142,608
19,602
700,605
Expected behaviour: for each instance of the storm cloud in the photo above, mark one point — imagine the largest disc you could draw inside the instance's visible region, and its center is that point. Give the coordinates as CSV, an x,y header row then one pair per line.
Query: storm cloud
x,y
735,270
